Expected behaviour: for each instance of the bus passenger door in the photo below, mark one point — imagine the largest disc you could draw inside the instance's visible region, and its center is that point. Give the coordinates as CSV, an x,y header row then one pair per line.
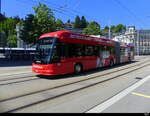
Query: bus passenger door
x,y
66,63
99,59
105,56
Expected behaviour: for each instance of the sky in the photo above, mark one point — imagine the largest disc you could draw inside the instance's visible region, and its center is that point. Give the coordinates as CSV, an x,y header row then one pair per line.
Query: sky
x,y
105,12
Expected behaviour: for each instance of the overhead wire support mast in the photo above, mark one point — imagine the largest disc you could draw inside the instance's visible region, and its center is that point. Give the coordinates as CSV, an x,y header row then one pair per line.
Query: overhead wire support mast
x,y
0,6
109,29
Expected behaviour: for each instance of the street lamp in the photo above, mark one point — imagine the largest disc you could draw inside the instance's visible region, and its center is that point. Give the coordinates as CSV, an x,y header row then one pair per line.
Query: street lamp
x,y
109,33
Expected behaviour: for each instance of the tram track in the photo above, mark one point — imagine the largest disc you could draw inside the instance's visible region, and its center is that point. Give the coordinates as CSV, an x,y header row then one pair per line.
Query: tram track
x,y
26,78
17,78
20,79
12,74
80,86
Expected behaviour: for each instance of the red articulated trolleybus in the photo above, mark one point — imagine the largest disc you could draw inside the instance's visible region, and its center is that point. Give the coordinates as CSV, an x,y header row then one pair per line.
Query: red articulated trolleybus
x,y
65,52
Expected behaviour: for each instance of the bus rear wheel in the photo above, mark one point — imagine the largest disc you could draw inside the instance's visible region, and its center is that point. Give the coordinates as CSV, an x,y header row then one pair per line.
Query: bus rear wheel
x,y
77,68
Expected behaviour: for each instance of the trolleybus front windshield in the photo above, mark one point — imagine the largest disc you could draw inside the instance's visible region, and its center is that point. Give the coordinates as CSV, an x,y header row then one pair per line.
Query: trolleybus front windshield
x,y
44,50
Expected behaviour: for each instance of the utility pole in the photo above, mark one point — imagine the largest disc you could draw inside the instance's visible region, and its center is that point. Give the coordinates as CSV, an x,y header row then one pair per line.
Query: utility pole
x,y
109,29
109,33
138,43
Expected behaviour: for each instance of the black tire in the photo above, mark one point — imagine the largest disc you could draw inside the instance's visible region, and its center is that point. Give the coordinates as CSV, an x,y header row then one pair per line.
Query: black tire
x,y
78,68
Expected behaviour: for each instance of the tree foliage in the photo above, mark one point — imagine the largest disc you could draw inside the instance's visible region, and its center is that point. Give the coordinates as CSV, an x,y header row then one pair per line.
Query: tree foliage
x,y
44,19
28,33
8,29
2,17
93,28
68,21
120,28
59,25
77,23
83,22
12,40
106,29
80,22
35,25
114,29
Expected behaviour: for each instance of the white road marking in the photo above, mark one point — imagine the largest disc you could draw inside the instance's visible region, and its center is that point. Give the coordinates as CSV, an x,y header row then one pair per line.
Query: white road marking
x,y
117,97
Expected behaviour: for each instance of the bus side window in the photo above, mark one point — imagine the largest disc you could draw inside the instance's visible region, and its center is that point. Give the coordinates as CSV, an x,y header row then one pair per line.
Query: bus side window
x,y
63,50
56,54
123,51
112,50
71,50
79,50
96,50
89,50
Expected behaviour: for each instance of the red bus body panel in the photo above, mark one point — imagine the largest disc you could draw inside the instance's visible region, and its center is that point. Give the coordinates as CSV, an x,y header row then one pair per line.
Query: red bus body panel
x,y
67,64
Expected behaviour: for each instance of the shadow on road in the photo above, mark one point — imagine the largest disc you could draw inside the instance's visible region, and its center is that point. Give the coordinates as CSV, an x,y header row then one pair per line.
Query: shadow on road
x,y
72,75
13,63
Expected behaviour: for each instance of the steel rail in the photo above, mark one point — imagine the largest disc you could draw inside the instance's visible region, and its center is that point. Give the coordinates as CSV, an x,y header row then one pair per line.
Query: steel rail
x,y
19,79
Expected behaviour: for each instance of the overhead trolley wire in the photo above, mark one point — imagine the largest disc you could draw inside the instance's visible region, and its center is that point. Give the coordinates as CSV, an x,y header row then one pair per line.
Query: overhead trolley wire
x,y
53,9
57,8
130,12
69,10
60,9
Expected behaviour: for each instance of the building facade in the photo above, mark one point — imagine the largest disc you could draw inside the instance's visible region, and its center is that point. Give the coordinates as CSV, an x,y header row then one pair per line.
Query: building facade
x,y
127,37
142,42
139,38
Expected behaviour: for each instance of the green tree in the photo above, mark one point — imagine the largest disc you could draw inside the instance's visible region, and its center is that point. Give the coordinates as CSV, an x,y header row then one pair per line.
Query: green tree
x,y
93,28
44,19
80,23
35,25
2,17
68,21
12,40
77,23
17,19
59,24
105,30
8,28
120,28
83,22
113,28
28,32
